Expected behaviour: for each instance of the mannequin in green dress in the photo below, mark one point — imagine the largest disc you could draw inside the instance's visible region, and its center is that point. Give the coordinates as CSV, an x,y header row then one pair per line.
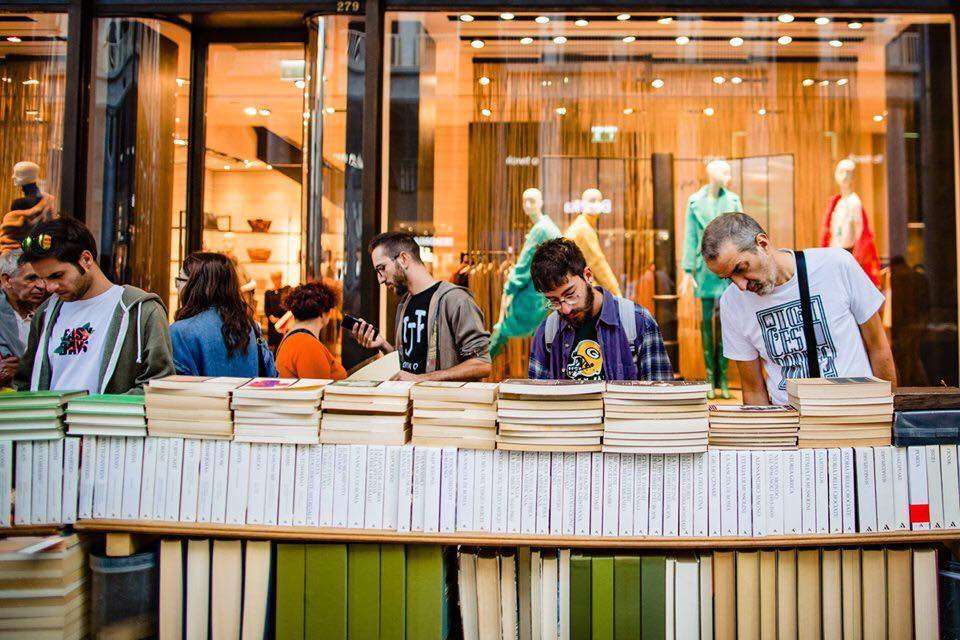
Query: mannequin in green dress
x,y
703,206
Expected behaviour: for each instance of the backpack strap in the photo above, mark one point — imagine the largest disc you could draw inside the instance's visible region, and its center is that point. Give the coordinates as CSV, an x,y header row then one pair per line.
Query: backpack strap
x,y
550,329
628,319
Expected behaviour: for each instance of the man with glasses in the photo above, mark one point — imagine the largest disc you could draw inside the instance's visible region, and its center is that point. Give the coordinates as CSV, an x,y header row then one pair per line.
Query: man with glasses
x,y
439,332
591,334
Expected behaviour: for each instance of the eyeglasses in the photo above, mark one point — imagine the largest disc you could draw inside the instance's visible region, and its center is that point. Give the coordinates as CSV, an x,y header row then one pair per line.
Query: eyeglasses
x,y
37,244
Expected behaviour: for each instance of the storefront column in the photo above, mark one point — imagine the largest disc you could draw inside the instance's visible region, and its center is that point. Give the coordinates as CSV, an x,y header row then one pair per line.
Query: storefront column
x,y
73,182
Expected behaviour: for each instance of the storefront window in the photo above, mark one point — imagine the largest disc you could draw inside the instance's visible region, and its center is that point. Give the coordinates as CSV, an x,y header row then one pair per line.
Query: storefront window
x,y
33,49
834,129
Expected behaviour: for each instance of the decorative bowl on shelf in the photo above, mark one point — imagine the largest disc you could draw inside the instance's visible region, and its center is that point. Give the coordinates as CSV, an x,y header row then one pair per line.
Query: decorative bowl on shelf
x,y
258,255
259,225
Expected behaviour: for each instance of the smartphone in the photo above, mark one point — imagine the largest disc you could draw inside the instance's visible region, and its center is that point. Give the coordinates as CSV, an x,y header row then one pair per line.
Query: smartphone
x,y
349,322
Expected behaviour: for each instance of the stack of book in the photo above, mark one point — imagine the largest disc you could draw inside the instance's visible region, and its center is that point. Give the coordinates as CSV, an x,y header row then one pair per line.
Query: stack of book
x,y
43,588
550,415
926,416
655,417
842,412
33,415
455,414
274,410
753,427
107,415
366,412
191,406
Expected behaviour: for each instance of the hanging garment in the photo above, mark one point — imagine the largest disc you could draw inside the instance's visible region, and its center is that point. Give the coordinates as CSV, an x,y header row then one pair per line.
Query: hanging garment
x,y
702,208
585,237
864,249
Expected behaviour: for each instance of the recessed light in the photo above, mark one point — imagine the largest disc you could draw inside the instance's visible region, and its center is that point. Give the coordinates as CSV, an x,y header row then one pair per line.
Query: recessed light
x,y
263,111
466,17
560,40
736,80
836,43
657,83
581,22
566,80
822,21
623,17
227,167
299,84
855,25
181,82
13,39
784,40
484,80
30,82
666,20
477,44
180,142
785,18
824,83
546,83
736,41
506,16
526,40
561,111
330,110
682,40
250,111
719,80
878,118
761,111
32,112
485,113
808,82
627,111
842,81
708,111
541,19
629,39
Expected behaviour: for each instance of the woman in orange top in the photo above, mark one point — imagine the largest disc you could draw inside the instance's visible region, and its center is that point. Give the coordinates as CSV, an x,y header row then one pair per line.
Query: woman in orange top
x,y
301,354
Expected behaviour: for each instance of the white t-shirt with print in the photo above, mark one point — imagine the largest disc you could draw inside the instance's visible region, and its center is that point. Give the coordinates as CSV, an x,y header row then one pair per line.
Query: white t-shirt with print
x,y
78,341
842,297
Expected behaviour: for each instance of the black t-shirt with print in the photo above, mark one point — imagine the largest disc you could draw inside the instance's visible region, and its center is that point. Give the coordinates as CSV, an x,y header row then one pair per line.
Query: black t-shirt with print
x,y
413,332
586,359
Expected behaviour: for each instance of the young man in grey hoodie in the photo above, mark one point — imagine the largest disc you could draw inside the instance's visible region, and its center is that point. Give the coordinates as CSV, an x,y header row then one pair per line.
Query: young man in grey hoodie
x,y
439,333
91,334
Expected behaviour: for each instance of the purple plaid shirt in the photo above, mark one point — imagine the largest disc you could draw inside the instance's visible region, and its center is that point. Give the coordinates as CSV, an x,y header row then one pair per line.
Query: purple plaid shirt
x,y
652,362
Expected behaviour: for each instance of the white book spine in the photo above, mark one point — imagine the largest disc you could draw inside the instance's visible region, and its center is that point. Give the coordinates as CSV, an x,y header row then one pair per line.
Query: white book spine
x,y
483,491
132,476
774,515
147,482
866,491
391,487
792,494
641,510
744,494
314,477
431,492
257,483
271,495
582,509
328,486
376,463
568,516
448,490
118,449
628,484
221,481
23,480
189,490
951,486
883,466
174,478
515,495
55,482
934,486
101,481
917,479
758,502
901,489
835,488
849,491
700,488
671,494
713,493
596,494
41,472
71,477
405,489
808,492
611,494
543,494
356,494
728,493
686,494
237,483
820,466
419,488
466,476
6,482
205,480
528,493
301,489
88,466
555,515
341,484
655,522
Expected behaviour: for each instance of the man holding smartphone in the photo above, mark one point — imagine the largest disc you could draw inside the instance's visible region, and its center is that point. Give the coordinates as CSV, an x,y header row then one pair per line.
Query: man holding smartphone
x,y
439,333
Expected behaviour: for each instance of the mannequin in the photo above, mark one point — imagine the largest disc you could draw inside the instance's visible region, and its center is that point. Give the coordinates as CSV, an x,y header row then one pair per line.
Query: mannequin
x,y
712,200
846,225
523,308
583,231
26,210
26,175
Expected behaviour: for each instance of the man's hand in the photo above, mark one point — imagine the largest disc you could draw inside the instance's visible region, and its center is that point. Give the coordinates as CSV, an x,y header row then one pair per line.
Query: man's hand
x,y
406,376
367,337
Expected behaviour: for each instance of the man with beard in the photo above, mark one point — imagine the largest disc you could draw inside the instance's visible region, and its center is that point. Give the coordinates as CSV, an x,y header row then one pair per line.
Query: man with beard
x,y
591,334
90,334
761,315
439,332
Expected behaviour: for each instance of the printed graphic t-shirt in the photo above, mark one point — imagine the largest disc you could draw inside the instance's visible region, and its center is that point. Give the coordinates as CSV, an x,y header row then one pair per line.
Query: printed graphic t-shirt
x,y
77,342
586,359
771,326
414,334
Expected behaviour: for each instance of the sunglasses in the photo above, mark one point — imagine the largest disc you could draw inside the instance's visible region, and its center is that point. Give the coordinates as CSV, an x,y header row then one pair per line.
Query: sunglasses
x,y
41,243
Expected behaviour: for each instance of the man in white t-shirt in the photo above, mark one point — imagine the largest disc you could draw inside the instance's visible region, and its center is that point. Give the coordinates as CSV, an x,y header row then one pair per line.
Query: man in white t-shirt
x,y
761,317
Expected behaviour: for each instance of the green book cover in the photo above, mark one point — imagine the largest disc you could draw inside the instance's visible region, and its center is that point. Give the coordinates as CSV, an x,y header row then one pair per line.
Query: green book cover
x,y
325,591
36,399
290,585
426,593
601,586
363,591
109,403
653,606
393,578
626,598
31,414
580,597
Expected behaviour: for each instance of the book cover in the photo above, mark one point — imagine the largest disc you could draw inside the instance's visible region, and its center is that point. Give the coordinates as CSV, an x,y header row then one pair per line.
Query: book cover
x,y
118,448
132,476
582,507
866,491
951,486
405,489
611,494
205,481
238,482
542,501
88,465
728,493
426,587
341,484
808,492
671,494
759,491
835,489
628,484
655,521
55,481
581,575
174,478
557,479
256,589
393,578
596,494
748,594
221,481
849,491
744,493
792,495
466,474
101,481
226,588
808,593
71,478
713,493
290,601
626,597
934,486
514,503
314,478
820,466
431,490
198,589
700,488
641,510
373,509
257,482
301,485
391,488
601,590
271,496
874,569
447,497
528,492
357,487
483,491
883,473
363,590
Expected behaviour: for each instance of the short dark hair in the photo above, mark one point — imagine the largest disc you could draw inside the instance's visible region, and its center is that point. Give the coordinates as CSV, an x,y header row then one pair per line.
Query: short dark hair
x,y
735,227
63,239
312,300
395,243
554,262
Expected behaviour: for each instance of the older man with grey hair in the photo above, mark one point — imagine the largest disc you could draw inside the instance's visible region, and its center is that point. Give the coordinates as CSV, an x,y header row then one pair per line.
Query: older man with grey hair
x,y
23,291
762,319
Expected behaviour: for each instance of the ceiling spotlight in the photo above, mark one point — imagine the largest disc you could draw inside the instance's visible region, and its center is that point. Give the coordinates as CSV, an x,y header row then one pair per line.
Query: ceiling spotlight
x,y
306,115
5,79
13,39
485,113
250,111
546,83
561,111
541,19
466,17
181,82
227,167
784,40
180,142
736,41
657,83
836,44
623,17
824,83
667,20
785,18
842,82
330,110
506,16
30,82
878,118
719,80
477,44
560,40
299,84
808,82
708,111
761,111
263,111
629,39
526,40
566,80
581,22
627,111
855,25
682,40
736,80
32,112
822,21
484,80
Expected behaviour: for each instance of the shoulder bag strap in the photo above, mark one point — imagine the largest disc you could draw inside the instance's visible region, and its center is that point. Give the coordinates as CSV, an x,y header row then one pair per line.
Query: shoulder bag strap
x,y
806,312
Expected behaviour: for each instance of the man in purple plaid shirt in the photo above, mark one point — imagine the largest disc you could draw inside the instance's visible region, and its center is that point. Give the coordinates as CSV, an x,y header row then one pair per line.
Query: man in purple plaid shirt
x,y
591,334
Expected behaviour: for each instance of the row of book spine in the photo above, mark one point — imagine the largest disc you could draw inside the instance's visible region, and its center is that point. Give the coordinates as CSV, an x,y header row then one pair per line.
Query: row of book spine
x,y
446,490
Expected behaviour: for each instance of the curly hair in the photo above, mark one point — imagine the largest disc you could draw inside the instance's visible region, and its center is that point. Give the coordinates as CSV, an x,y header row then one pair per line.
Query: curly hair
x,y
312,300
554,261
212,282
